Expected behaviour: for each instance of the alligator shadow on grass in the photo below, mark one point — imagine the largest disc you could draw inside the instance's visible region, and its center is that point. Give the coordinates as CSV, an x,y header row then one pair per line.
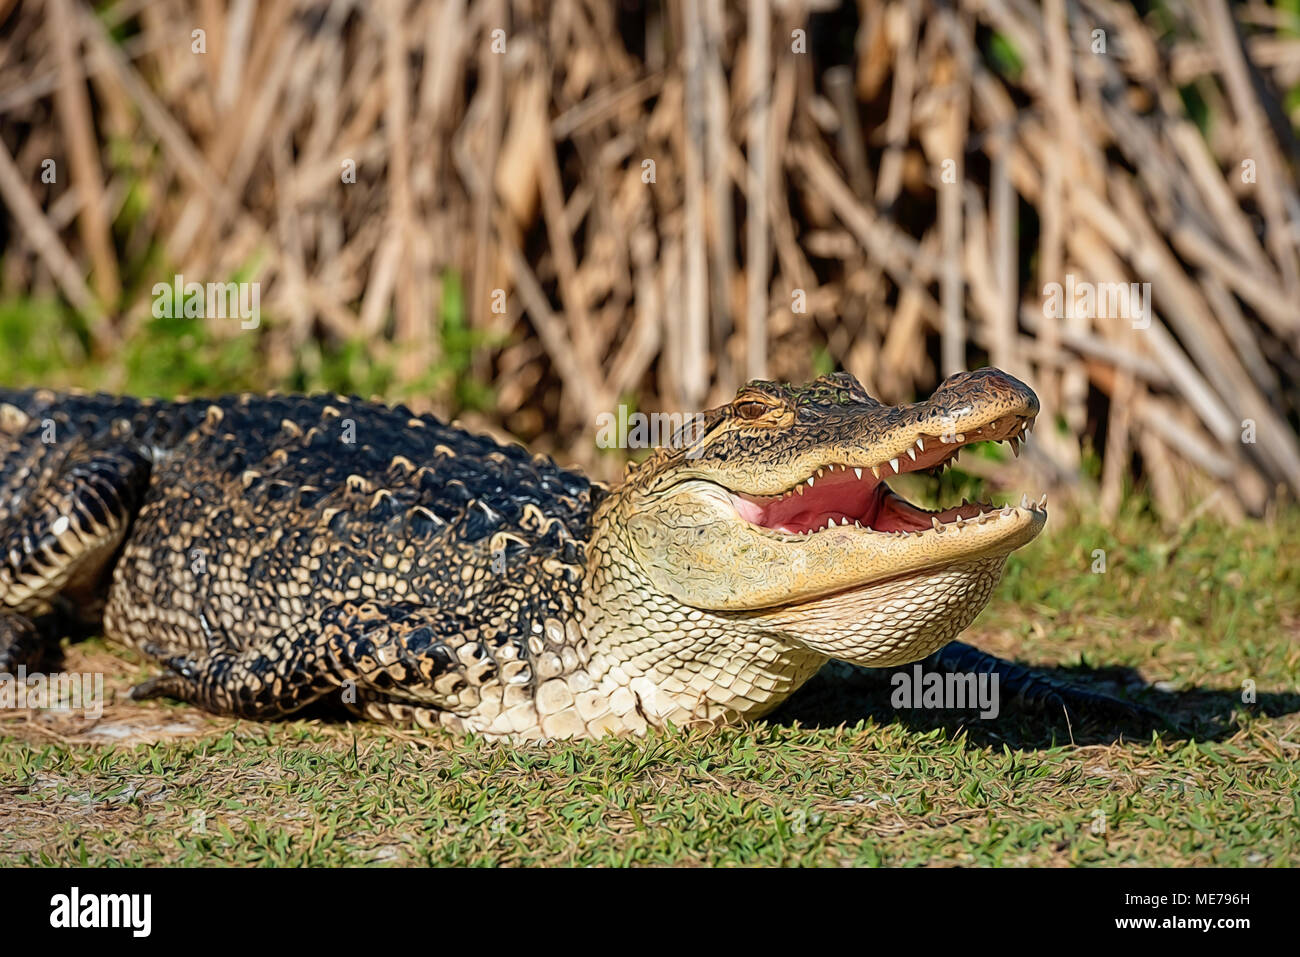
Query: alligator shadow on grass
x,y
843,694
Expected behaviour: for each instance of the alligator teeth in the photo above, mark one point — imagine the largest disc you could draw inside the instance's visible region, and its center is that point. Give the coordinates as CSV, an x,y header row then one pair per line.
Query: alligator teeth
x,y
920,444
912,454
810,480
1024,500
799,489
858,472
893,464
934,521
830,523
844,520
875,470
856,523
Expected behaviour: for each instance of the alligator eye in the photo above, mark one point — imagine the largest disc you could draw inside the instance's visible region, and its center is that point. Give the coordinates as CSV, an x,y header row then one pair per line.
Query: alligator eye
x,y
751,410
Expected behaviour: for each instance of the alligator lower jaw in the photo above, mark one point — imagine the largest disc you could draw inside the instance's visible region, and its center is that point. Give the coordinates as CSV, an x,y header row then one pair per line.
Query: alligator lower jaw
x,y
856,496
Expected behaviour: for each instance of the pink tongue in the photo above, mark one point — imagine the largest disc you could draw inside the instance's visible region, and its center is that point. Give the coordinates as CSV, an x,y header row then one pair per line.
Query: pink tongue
x,y
890,518
751,512
830,499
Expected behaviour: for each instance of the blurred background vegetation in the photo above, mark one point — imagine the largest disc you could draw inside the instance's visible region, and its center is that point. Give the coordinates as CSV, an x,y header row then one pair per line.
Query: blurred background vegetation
x,y
521,213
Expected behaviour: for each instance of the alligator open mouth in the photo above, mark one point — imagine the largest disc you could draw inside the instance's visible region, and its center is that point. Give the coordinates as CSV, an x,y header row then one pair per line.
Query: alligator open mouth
x,y
856,495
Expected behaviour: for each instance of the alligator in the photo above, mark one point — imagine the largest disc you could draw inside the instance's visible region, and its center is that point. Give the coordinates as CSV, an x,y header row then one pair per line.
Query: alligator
x,y
273,551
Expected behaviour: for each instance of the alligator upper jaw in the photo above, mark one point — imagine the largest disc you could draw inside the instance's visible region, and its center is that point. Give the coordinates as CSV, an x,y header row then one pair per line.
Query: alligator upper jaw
x,y
856,495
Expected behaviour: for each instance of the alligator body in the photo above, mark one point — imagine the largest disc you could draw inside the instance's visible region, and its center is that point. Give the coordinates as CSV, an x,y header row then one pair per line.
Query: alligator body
x,y
270,552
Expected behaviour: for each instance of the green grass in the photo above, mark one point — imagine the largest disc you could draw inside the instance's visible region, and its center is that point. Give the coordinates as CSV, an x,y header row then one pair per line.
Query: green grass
x,y
837,777
43,343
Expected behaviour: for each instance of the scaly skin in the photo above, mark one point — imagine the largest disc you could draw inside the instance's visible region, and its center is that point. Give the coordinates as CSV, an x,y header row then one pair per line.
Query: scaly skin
x,y
270,552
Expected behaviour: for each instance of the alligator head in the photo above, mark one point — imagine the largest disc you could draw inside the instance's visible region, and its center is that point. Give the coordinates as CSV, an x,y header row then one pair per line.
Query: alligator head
x,y
775,522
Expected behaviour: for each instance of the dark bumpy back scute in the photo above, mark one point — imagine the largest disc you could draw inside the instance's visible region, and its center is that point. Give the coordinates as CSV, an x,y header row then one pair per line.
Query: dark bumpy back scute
x,y
295,445
268,514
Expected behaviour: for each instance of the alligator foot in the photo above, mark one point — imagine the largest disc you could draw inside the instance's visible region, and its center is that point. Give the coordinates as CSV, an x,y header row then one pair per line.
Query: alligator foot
x,y
365,651
1041,692
257,683
57,539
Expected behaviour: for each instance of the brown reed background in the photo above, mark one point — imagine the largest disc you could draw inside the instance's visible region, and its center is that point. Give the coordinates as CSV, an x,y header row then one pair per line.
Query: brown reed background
x,y
798,151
